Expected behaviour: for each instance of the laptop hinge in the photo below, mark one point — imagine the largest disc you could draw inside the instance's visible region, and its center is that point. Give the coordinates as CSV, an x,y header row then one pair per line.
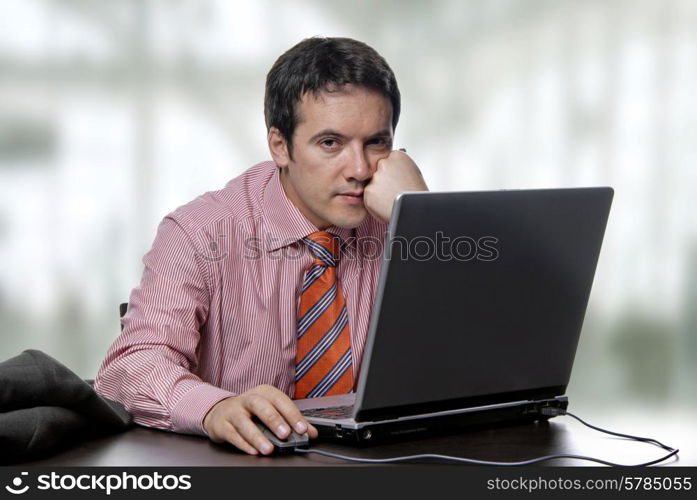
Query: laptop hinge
x,y
395,412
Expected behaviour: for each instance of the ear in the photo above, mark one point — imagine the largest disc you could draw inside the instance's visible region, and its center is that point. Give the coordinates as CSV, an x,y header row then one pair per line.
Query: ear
x,y
278,146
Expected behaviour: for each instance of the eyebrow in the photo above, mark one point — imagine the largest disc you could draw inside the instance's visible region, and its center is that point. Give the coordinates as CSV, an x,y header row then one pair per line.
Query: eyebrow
x,y
334,133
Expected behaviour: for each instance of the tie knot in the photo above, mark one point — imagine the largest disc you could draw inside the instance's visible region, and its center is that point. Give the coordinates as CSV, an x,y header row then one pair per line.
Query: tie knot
x,y
326,247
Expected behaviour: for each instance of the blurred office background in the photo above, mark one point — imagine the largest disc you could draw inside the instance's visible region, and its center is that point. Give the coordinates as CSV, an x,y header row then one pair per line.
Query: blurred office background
x,y
113,113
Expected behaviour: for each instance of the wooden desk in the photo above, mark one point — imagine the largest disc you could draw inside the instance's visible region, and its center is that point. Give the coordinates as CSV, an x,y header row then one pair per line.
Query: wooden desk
x,y
147,447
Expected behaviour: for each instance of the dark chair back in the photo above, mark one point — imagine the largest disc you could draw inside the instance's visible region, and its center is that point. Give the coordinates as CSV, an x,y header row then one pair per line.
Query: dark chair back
x,y
122,310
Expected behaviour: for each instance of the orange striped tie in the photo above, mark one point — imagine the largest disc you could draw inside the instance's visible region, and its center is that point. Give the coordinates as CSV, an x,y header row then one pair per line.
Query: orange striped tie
x,y
323,357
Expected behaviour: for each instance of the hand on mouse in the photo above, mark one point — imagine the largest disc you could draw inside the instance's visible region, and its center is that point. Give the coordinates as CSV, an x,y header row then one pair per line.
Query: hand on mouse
x,y
395,174
230,420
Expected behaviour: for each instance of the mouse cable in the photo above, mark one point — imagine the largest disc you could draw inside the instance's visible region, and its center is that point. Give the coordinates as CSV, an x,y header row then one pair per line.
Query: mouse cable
x,y
545,411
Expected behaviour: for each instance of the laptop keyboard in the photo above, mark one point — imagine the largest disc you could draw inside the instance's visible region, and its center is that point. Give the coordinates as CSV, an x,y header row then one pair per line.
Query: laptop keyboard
x,y
335,412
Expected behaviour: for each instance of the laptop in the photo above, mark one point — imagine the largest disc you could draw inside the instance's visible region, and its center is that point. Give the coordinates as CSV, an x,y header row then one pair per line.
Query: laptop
x,y
477,316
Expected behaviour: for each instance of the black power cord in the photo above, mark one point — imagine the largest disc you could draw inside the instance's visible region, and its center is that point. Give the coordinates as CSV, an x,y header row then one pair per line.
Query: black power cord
x,y
545,411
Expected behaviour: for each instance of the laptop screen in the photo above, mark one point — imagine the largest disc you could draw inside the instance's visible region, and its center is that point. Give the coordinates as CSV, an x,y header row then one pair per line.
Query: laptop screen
x,y
482,296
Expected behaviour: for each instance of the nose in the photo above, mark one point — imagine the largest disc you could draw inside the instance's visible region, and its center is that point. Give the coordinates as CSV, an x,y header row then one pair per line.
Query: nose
x,y
359,166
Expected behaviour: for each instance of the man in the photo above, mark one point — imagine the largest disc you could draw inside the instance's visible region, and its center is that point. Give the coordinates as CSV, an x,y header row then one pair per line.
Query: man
x,y
262,291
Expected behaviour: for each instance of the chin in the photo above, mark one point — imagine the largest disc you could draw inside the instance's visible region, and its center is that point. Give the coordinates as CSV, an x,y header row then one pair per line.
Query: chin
x,y
349,221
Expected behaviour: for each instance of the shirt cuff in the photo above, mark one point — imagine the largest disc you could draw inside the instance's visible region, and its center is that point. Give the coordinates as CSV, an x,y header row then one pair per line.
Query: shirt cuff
x,y
187,416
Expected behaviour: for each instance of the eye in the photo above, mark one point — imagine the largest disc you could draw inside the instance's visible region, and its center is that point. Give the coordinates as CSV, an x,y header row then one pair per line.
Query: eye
x,y
380,142
329,143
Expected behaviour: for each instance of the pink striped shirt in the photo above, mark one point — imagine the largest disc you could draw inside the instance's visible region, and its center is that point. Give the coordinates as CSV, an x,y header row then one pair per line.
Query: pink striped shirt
x,y
215,312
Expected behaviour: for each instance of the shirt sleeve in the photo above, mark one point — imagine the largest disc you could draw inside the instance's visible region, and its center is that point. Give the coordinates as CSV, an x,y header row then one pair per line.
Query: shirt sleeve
x,y
151,366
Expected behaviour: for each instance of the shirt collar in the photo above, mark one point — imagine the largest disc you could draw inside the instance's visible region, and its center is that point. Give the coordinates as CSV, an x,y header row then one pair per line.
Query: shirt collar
x,y
284,222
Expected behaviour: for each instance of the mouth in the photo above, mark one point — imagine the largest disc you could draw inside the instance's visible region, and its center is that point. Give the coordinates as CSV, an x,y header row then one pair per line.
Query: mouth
x,y
352,197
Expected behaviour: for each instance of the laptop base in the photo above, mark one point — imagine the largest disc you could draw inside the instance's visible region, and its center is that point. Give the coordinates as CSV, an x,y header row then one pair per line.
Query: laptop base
x,y
380,432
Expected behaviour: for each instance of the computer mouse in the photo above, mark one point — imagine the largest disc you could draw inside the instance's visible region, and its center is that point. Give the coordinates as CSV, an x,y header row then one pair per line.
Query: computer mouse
x,y
287,445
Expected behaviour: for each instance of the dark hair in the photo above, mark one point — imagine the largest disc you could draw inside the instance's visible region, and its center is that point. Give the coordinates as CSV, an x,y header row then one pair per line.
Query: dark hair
x,y
318,64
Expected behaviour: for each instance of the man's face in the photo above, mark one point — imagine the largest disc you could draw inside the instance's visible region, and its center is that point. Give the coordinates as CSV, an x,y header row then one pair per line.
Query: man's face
x,y
337,143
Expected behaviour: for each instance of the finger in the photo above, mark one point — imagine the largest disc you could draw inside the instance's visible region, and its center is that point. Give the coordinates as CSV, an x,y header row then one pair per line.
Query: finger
x,y
312,431
234,437
265,410
290,412
251,433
